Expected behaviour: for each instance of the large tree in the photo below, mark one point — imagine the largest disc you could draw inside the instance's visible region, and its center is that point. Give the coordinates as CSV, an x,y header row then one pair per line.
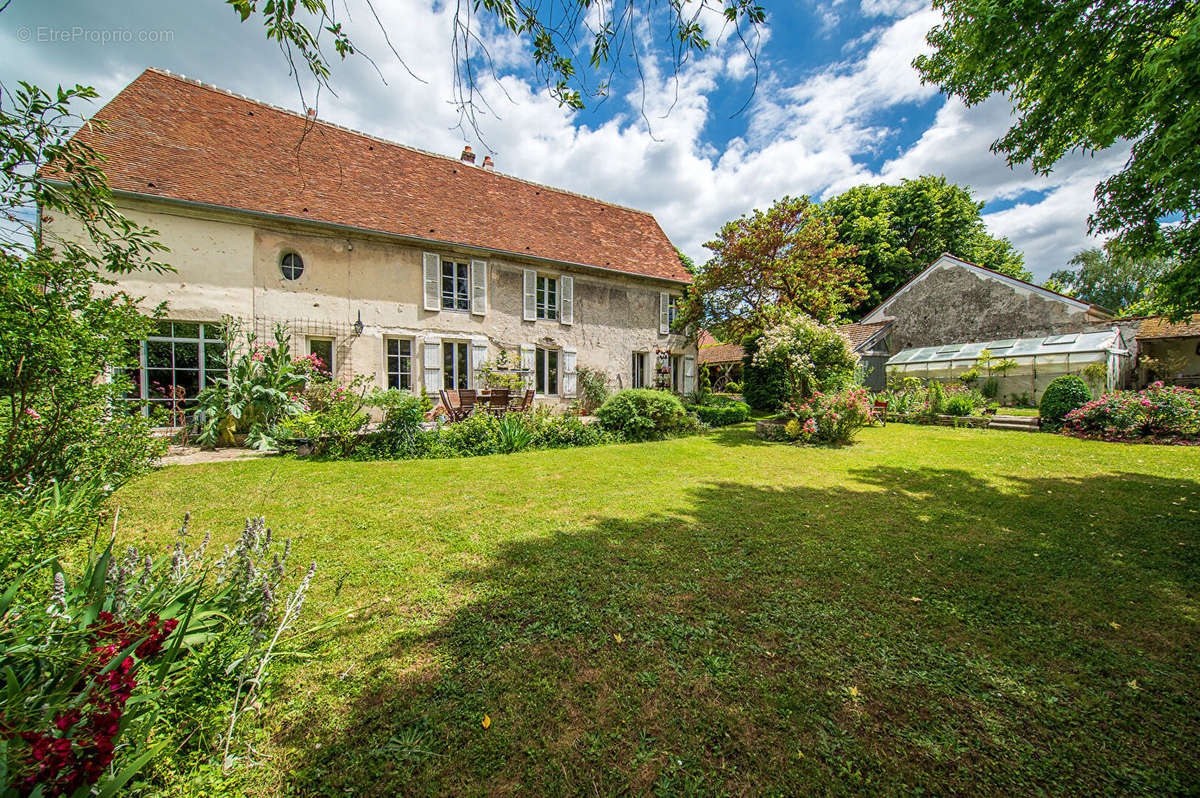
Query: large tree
x,y
898,230
1085,75
768,264
1109,277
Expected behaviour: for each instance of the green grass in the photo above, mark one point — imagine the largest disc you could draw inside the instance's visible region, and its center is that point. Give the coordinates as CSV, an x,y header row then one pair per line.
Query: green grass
x,y
931,609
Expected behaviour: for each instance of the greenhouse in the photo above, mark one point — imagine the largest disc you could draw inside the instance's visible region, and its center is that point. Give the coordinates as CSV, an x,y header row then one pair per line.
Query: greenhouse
x,y
1022,367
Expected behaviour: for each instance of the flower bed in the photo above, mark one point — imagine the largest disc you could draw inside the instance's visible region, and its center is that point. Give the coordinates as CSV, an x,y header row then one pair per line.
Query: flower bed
x,y
1159,414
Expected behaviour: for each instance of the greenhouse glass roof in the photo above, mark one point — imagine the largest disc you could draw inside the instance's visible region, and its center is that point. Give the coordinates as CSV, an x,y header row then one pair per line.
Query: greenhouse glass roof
x,y
1016,348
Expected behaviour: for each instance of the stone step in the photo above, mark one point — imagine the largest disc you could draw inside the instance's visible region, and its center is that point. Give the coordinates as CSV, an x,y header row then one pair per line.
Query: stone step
x,y
1031,421
1017,427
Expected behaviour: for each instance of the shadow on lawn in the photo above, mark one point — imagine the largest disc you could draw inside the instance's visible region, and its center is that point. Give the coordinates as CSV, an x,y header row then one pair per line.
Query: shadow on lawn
x,y
737,435
910,629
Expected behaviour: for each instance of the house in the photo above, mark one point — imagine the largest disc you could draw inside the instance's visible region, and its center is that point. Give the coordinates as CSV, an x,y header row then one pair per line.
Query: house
x,y
1170,351
411,268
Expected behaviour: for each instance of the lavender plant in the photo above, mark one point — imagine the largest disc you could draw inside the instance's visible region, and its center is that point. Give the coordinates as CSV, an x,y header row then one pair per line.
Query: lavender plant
x,y
103,669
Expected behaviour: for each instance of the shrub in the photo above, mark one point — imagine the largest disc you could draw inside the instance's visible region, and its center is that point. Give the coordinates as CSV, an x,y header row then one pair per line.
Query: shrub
x,y
593,387
64,328
102,669
640,414
935,398
1160,411
962,396
959,405
477,434
764,386
904,394
991,388
557,432
733,387
721,414
831,417
334,417
814,356
1062,395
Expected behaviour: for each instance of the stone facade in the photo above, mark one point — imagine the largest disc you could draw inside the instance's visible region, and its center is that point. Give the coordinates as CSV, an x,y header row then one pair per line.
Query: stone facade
x,y
956,302
228,264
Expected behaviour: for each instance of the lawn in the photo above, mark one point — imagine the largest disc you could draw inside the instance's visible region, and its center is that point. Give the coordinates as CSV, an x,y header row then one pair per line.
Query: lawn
x,y
954,611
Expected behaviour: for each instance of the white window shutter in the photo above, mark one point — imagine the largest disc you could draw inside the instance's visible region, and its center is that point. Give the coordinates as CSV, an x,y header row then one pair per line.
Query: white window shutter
x,y
479,347
566,299
664,318
569,370
689,374
479,287
433,365
530,313
527,355
432,272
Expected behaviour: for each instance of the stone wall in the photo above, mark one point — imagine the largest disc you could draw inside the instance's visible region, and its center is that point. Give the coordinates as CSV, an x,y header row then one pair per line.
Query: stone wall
x,y
953,304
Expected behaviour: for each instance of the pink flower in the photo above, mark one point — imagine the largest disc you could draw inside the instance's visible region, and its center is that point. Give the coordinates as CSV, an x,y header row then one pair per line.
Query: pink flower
x,y
29,411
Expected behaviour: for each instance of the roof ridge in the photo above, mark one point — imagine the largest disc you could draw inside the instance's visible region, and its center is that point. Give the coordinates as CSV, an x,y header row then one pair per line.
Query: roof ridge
x,y
317,120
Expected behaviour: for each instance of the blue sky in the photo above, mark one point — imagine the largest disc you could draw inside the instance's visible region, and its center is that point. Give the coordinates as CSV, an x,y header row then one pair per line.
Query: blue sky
x,y
837,104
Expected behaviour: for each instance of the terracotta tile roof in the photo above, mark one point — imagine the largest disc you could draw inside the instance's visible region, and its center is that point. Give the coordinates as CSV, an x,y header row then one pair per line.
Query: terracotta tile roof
x,y
172,137
1159,327
859,334
720,353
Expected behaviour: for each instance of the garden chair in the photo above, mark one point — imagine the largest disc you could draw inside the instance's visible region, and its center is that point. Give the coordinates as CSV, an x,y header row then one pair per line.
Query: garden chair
x,y
466,404
879,412
498,401
527,402
449,402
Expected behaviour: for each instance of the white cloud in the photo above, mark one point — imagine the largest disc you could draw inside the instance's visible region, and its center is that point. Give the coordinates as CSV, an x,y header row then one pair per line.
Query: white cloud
x,y
891,8
804,137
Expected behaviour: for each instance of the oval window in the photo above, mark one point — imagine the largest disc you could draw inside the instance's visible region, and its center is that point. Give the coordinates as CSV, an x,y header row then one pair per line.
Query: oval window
x,y
292,266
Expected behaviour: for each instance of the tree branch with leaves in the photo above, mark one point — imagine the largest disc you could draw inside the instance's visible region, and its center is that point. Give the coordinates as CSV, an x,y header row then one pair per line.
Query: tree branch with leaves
x,y
1084,76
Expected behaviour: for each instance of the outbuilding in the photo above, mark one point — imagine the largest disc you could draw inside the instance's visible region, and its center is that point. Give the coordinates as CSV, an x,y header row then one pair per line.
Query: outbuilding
x,y
1022,367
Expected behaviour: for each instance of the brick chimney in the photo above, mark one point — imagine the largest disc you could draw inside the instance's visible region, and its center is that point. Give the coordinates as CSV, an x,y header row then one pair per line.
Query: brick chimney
x,y
467,156
488,163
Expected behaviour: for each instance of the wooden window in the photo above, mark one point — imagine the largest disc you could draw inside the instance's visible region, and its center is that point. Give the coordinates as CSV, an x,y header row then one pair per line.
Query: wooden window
x,y
547,297
456,286
399,364
546,372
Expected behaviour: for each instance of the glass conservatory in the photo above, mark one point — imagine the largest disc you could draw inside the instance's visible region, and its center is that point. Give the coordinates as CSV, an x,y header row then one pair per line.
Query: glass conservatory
x,y
1022,366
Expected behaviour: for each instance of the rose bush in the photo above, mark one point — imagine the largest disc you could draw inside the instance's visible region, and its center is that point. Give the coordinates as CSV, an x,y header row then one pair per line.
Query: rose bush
x,y
1161,412
829,417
